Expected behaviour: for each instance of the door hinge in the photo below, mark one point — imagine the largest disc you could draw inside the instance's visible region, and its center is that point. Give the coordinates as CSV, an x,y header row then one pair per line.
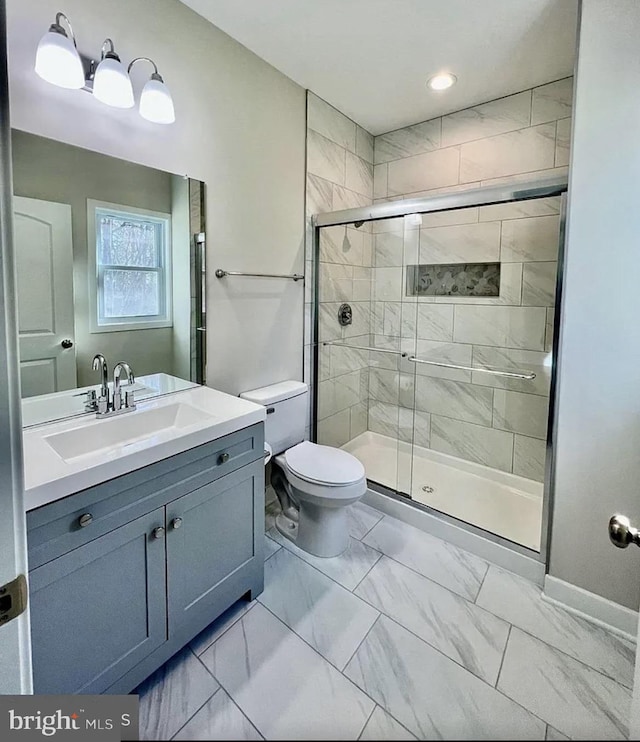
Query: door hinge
x,y
13,599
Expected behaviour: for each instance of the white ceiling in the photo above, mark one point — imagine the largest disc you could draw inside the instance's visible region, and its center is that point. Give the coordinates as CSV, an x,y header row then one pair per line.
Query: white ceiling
x,y
371,58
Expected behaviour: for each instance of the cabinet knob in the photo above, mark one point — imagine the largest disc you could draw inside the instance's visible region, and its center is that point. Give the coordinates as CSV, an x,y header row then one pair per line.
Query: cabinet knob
x,y
158,532
223,458
176,523
84,520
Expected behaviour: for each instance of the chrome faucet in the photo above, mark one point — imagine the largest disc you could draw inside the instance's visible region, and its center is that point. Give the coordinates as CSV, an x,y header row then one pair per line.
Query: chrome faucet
x,y
129,402
100,364
110,402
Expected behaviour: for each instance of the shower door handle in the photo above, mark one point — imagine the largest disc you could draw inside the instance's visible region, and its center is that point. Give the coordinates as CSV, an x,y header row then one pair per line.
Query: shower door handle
x,y
622,533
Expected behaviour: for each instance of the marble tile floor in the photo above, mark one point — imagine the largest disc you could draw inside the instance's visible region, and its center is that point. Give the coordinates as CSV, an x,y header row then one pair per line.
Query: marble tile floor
x,y
402,637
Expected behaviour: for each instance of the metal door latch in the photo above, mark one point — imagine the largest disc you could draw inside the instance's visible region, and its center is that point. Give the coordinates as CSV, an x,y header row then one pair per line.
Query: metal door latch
x,y
622,533
13,599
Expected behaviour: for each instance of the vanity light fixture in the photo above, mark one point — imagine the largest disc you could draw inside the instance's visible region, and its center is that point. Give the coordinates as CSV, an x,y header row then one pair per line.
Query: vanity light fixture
x,y
59,62
442,81
111,81
57,58
156,103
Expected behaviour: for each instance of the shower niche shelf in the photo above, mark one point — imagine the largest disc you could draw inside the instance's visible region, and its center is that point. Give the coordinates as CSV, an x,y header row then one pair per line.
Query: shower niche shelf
x,y
453,279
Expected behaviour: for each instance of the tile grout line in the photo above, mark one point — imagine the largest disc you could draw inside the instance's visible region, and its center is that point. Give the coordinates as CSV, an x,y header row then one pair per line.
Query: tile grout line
x,y
324,573
504,653
546,643
459,145
570,656
222,687
356,652
321,656
472,602
366,575
484,577
367,721
477,677
431,579
440,651
200,708
242,615
241,711
364,535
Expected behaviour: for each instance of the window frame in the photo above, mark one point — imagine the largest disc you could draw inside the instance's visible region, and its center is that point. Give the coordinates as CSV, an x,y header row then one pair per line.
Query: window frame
x,y
99,324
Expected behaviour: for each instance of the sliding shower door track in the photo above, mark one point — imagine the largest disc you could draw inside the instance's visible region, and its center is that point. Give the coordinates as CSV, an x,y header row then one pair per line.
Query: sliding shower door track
x,y
451,520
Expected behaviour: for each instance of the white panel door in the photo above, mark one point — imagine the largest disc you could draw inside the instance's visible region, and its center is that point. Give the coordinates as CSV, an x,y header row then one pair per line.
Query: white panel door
x,y
44,264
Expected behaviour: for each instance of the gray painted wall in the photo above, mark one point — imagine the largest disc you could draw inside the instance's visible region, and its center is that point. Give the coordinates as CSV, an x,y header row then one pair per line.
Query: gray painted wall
x,y
240,128
598,447
52,171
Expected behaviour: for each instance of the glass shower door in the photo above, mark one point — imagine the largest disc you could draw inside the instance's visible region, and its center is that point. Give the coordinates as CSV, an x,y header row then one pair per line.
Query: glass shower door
x,y
485,289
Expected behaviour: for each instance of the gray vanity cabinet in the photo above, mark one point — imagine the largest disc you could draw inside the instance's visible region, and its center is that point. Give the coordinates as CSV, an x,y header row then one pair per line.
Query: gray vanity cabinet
x,y
98,611
124,574
210,535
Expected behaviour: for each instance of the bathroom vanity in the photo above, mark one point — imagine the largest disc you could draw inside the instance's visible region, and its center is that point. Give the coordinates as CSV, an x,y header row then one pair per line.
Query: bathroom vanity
x,y
142,530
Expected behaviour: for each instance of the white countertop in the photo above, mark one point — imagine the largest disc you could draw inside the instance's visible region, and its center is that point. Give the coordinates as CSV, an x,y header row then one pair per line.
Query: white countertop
x,y
49,476
44,408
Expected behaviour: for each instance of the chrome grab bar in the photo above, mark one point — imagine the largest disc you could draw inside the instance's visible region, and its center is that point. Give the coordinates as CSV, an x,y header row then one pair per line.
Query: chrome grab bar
x,y
526,375
366,347
293,276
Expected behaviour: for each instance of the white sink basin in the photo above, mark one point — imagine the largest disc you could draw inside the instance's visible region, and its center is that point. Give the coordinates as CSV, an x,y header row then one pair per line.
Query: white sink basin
x,y
126,430
72,455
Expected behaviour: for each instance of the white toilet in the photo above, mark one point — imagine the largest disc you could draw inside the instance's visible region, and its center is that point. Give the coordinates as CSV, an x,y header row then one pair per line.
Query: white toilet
x,y
315,484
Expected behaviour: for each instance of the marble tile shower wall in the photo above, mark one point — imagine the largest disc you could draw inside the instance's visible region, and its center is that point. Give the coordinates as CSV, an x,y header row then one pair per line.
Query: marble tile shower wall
x,y
339,176
497,422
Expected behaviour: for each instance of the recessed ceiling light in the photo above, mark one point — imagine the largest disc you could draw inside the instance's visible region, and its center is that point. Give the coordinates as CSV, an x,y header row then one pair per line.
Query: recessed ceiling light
x,y
442,82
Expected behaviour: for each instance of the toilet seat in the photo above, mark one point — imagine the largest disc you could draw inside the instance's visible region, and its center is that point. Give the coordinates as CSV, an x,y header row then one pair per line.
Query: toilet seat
x,y
323,465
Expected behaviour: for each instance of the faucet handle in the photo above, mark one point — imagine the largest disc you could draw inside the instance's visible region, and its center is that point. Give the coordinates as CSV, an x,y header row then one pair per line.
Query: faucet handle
x,y
91,402
129,400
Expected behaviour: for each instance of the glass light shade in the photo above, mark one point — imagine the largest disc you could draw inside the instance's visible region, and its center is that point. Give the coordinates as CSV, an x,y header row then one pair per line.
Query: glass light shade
x,y
112,85
156,104
58,61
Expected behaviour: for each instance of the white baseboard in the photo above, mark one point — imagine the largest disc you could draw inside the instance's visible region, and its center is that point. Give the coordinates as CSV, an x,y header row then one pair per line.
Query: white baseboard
x,y
504,557
617,618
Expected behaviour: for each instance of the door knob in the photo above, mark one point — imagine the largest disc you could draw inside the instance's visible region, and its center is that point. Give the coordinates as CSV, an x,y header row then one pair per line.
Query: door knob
x,y
622,533
158,532
176,523
66,343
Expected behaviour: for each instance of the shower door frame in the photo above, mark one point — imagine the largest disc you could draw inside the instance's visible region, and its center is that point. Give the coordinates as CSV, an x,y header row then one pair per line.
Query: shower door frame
x,y
487,196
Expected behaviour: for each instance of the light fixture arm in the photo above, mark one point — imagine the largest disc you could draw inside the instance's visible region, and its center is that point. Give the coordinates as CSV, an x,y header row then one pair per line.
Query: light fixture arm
x,y
146,59
57,27
108,52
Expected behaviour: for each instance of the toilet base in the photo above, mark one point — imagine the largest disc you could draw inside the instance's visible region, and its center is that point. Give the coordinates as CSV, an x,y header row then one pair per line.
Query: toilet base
x,y
321,531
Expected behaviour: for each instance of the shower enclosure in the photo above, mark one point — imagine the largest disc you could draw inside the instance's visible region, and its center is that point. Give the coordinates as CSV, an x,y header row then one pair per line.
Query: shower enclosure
x,y
435,349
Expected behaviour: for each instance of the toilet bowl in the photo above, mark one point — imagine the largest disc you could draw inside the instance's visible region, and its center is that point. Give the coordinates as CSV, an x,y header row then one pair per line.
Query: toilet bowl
x,y
319,482
315,484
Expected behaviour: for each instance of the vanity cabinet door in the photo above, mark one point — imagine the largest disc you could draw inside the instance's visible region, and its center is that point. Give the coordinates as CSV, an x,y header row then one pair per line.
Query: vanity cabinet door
x,y
214,539
100,609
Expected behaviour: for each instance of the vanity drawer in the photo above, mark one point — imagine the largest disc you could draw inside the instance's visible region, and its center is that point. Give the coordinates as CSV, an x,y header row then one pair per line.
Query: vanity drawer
x,y
66,524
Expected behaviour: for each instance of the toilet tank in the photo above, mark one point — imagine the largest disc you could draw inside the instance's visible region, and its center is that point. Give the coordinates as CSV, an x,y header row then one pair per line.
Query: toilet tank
x,y
287,405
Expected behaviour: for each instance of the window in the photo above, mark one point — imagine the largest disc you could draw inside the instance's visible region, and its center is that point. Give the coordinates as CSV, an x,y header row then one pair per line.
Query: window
x,y
131,283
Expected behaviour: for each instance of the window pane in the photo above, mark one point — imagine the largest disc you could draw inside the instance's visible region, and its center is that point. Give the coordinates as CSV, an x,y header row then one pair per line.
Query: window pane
x,y
128,241
131,294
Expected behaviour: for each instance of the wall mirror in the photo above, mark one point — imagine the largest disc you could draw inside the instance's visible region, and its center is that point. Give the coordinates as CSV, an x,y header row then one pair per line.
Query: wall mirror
x,y
110,260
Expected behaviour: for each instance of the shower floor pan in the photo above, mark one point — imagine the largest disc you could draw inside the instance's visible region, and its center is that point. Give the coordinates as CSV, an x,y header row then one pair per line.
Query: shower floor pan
x,y
499,502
